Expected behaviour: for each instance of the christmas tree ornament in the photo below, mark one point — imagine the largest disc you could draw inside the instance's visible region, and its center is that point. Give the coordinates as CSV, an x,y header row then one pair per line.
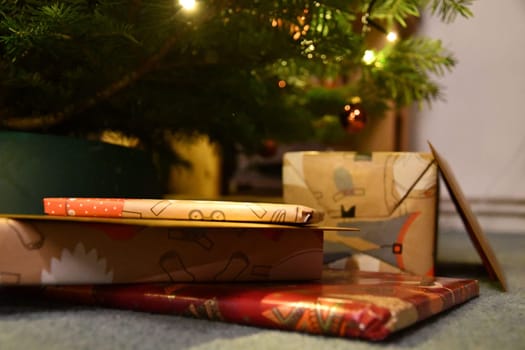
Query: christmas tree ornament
x,y
353,118
268,148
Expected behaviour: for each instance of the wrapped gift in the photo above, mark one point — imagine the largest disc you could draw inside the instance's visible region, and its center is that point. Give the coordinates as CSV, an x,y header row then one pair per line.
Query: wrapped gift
x,y
43,249
369,305
391,197
177,209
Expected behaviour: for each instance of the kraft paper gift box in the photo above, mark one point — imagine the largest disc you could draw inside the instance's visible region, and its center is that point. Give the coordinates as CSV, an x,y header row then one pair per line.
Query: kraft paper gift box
x,y
39,249
391,197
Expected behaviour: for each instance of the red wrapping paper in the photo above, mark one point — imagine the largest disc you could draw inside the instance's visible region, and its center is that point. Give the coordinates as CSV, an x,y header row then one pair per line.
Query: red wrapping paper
x,y
369,305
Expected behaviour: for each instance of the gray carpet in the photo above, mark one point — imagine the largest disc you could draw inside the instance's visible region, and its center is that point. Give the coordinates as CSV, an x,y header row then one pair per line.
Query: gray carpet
x,y
495,320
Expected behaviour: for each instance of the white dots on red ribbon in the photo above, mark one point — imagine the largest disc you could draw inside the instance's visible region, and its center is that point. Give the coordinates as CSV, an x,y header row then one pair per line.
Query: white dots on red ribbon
x,y
91,207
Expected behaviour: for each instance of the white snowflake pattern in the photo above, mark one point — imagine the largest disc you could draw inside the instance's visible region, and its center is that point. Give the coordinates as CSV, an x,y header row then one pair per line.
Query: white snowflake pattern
x,y
77,267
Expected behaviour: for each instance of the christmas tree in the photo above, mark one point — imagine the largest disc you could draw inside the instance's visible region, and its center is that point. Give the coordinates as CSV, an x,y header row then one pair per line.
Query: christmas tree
x,y
238,71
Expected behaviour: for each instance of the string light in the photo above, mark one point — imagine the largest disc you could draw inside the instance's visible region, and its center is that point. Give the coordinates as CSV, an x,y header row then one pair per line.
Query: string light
x,y
369,57
188,4
391,37
368,22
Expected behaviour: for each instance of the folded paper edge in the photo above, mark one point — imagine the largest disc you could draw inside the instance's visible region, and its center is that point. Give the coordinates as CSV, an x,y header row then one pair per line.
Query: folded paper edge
x,y
173,223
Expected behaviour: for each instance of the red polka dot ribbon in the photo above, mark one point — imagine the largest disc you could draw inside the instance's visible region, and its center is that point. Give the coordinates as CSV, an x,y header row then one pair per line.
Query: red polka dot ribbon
x,y
102,207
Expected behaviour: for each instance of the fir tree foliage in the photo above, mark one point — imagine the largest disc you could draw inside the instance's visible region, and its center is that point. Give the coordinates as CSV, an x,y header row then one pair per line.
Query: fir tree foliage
x,y
236,70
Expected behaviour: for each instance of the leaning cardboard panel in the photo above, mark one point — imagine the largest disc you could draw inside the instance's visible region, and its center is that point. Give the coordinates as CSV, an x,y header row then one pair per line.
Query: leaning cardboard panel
x,y
474,230
391,197
56,250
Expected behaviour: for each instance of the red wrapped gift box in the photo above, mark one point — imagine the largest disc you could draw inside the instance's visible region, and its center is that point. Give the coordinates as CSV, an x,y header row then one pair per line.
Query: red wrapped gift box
x,y
369,305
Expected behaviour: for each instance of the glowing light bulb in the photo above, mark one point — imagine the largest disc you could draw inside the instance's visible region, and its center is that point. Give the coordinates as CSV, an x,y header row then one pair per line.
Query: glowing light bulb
x,y
391,37
369,57
188,4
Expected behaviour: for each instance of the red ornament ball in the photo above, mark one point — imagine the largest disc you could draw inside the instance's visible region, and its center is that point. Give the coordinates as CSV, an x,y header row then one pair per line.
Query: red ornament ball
x,y
268,148
353,118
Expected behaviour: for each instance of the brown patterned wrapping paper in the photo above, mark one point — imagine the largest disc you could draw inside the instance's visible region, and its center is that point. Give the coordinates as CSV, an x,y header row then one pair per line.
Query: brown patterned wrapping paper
x,y
58,251
367,305
182,210
390,196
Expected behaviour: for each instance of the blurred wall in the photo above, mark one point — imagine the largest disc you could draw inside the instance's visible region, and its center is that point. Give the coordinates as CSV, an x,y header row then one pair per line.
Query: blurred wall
x,y
480,127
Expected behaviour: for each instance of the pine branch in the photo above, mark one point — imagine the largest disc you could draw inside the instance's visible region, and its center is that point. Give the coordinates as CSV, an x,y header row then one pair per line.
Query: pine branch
x,y
392,11
405,71
448,10
46,121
